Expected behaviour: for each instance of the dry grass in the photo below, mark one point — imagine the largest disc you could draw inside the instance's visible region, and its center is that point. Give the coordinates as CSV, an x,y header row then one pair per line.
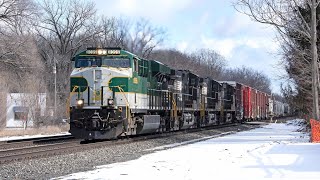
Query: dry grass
x,y
34,131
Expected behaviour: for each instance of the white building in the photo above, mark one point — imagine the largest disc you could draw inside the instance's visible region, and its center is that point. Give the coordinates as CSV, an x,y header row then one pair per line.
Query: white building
x,y
23,108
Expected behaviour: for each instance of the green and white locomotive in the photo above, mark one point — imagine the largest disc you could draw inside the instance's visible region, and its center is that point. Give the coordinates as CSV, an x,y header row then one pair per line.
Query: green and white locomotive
x,y
114,93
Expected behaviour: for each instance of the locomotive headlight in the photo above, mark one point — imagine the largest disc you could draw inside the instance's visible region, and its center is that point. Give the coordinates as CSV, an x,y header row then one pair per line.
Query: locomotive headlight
x,y
80,102
110,102
99,51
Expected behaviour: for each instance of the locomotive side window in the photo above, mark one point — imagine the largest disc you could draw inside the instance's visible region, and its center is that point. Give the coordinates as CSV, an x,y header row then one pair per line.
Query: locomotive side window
x,y
145,68
136,64
116,62
140,69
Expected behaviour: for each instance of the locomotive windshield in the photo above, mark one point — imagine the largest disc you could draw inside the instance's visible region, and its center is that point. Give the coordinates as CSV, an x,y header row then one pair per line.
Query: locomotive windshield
x,y
116,62
90,61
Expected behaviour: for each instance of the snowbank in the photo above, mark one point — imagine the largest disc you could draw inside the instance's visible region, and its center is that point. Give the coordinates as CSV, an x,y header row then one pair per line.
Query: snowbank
x,y
274,151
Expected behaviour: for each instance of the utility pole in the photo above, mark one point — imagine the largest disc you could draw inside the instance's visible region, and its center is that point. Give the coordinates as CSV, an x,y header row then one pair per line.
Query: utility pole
x,y
314,63
55,87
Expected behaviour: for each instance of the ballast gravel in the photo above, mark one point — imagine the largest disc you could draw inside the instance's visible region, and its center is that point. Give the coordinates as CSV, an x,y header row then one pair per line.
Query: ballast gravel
x,y
55,166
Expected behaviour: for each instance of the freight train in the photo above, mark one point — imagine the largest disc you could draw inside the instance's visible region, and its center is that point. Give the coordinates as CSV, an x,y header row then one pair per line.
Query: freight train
x,y
116,93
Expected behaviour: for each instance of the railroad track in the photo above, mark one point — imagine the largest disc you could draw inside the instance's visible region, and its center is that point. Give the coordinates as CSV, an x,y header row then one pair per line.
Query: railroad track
x,y
10,144
42,149
48,138
16,154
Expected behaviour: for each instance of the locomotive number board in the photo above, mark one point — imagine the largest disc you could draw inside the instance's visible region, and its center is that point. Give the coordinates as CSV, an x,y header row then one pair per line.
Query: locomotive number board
x,y
104,51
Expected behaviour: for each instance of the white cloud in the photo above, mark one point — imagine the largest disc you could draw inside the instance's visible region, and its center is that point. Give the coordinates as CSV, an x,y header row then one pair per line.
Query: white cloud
x,y
256,52
204,18
126,6
156,10
226,46
238,23
182,46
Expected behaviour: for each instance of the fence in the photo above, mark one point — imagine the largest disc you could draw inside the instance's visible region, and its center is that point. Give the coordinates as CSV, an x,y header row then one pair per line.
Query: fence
x,y
315,131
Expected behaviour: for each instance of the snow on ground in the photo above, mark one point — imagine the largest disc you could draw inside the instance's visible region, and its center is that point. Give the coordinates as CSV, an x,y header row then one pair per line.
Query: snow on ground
x,y
273,151
9,138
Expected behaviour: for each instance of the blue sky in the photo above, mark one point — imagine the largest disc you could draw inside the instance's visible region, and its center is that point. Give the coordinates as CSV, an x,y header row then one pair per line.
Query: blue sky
x,y
213,24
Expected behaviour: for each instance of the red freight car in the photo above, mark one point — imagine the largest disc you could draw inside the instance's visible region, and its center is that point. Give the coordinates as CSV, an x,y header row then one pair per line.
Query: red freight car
x,y
263,105
254,104
251,104
247,108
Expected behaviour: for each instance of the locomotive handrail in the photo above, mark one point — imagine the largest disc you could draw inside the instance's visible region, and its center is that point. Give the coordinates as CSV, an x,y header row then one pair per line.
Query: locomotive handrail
x,y
210,97
127,102
122,92
79,92
175,112
183,94
170,91
202,107
225,99
89,88
68,100
159,90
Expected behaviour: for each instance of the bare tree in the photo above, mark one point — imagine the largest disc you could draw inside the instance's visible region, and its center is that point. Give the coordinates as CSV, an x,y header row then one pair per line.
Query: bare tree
x,y
213,64
10,10
140,37
67,24
15,17
114,33
204,62
248,76
172,57
284,15
315,67
144,38
297,61
64,27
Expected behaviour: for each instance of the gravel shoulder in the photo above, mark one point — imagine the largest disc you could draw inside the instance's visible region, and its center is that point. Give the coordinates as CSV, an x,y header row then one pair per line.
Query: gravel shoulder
x,y
46,168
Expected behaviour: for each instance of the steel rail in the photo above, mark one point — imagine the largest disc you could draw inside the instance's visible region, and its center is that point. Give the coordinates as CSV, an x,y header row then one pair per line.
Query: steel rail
x,y
34,141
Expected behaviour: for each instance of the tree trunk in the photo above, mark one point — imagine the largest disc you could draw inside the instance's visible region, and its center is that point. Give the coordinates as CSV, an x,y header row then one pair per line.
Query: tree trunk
x,y
314,60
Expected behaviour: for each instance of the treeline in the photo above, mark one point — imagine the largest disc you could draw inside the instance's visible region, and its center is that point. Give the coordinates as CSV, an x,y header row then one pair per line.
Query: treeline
x,y
297,24
38,39
208,63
